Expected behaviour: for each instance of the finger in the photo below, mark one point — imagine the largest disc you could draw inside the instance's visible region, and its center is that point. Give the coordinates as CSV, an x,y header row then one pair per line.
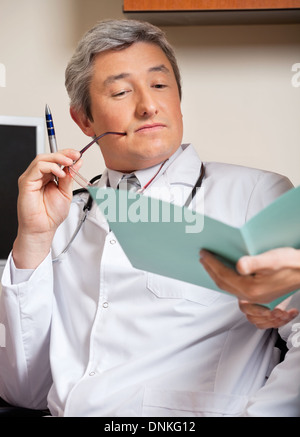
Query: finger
x,y
210,262
63,158
253,309
293,312
264,318
66,183
266,323
263,311
271,260
49,164
225,277
41,172
217,270
218,278
269,322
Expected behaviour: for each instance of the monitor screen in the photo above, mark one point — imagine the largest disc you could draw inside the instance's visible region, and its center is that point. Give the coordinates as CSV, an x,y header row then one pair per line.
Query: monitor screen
x,y
21,139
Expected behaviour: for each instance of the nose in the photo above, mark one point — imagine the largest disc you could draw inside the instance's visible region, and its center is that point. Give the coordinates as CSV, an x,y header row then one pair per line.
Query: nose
x,y
146,105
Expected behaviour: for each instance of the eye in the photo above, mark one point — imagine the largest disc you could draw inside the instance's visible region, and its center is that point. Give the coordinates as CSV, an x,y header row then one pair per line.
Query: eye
x,y
160,86
120,93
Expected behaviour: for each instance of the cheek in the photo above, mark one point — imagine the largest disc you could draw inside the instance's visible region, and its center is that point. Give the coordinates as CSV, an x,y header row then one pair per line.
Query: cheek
x,y
116,120
178,121
173,108
101,112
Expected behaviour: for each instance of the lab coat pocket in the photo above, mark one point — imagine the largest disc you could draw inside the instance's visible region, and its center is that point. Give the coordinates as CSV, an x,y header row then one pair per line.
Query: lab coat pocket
x,y
168,288
171,403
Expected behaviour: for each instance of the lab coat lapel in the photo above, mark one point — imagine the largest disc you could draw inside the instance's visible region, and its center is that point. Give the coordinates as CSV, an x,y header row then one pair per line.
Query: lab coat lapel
x,y
181,174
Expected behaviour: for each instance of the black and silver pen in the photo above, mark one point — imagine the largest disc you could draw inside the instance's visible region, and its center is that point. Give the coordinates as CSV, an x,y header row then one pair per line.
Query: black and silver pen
x,y
51,134
50,129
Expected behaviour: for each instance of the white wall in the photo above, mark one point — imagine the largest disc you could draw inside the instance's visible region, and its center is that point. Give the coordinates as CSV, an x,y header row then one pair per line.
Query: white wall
x,y
239,104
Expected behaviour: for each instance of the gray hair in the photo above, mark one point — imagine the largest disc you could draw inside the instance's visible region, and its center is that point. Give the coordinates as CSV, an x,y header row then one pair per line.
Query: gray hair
x,y
110,35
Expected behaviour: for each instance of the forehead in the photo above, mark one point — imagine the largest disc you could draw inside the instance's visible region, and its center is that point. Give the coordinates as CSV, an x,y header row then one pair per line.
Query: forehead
x,y
140,57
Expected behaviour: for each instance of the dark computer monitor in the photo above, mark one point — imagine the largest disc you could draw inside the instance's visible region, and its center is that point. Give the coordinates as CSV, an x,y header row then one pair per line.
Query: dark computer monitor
x,y
21,139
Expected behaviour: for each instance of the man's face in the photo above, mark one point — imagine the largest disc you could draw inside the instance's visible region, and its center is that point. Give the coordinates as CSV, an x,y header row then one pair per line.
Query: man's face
x,y
135,91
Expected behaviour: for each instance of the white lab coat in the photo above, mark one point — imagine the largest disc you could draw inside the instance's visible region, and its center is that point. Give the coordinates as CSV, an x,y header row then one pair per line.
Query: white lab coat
x,y
280,396
124,342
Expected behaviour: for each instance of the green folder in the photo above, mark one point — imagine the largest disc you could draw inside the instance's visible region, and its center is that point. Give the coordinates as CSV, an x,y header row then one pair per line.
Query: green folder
x,y
165,239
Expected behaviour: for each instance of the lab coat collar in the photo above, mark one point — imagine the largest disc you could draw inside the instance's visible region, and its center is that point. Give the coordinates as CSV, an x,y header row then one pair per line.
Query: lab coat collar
x,y
185,168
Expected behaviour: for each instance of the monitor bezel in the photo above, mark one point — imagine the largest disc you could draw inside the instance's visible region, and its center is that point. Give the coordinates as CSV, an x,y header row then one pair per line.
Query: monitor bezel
x,y
39,124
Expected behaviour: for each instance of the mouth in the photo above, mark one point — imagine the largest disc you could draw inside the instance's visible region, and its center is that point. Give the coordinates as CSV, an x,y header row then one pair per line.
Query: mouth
x,y
150,127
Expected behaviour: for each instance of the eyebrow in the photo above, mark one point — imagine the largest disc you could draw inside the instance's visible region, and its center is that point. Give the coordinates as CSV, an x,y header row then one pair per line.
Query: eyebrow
x,y
115,77
161,68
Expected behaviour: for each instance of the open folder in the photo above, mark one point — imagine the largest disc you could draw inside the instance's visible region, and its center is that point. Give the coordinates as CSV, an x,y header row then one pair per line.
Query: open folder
x,y
165,239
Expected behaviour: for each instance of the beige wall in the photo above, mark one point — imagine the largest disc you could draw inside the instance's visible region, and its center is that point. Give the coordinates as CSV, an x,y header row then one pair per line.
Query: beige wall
x,y
239,104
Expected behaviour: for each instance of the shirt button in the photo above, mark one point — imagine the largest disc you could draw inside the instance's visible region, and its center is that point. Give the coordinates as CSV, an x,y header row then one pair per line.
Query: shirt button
x,y
105,304
112,241
92,373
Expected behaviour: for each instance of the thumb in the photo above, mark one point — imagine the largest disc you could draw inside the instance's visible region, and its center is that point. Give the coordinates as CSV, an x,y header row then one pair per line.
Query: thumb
x,y
274,259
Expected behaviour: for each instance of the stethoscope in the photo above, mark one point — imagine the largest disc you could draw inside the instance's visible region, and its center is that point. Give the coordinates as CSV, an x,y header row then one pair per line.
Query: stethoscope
x,y
89,203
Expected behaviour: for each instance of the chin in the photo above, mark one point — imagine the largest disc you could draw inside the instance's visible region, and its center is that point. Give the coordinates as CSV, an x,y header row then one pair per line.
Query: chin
x,y
158,152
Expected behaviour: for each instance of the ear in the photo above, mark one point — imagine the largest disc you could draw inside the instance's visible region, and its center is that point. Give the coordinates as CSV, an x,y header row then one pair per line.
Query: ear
x,y
82,121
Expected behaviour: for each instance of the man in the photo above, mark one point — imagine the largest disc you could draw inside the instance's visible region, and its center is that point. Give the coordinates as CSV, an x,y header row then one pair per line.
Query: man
x,y
88,334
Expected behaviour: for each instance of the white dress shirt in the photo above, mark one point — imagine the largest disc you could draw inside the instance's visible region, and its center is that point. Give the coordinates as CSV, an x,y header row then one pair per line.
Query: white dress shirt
x,y
89,335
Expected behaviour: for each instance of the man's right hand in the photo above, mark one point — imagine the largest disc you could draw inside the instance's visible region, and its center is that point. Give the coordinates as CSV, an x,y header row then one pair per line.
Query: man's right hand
x,y
42,205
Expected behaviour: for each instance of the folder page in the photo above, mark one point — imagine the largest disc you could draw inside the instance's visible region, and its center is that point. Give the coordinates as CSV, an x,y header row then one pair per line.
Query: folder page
x,y
166,239
277,225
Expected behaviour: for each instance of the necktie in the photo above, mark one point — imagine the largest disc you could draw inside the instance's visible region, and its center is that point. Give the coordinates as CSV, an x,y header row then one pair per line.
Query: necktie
x,y
129,182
